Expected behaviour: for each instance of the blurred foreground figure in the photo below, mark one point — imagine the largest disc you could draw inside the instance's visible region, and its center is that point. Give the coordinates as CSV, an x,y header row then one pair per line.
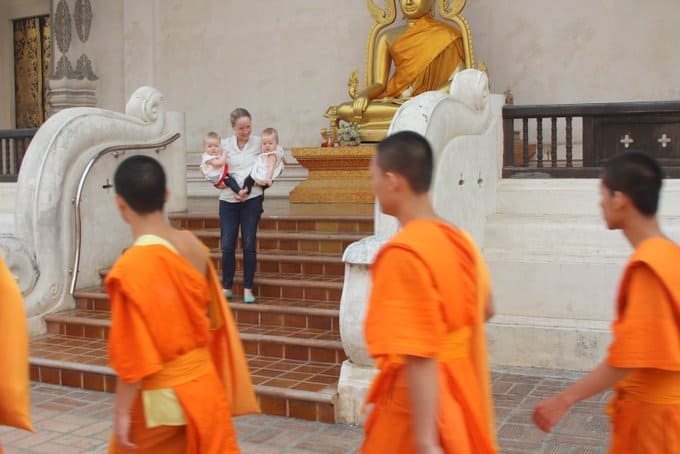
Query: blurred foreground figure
x,y
425,321
171,333
14,382
643,364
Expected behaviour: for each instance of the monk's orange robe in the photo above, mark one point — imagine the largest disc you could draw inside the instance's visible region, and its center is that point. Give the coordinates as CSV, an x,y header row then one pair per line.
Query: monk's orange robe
x,y
14,380
645,411
427,300
160,334
424,56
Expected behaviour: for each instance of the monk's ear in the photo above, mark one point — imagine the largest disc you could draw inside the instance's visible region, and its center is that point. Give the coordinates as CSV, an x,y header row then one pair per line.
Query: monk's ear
x,y
122,205
620,200
393,181
166,196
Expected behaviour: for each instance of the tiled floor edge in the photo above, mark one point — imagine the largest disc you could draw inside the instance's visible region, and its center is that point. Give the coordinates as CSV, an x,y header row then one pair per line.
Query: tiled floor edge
x,y
287,393
301,310
286,340
58,364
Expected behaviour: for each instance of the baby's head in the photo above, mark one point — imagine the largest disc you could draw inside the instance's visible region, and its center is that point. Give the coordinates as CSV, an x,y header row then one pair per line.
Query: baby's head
x,y
211,144
270,139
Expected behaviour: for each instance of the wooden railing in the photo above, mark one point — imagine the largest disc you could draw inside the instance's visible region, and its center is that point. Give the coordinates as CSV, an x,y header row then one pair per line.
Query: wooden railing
x,y
606,129
13,146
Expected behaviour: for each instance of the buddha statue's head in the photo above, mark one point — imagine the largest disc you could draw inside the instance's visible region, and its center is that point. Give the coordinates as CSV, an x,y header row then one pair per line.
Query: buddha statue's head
x,y
414,9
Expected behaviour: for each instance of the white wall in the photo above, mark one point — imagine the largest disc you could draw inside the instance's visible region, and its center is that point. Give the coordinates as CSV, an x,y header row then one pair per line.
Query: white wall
x,y
104,48
10,10
580,50
286,61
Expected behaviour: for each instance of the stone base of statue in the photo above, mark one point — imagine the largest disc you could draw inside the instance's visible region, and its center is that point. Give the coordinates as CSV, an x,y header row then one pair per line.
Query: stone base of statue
x,y
336,175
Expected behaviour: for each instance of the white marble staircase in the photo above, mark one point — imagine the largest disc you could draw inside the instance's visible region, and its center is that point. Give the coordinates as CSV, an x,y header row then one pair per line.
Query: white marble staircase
x,y
555,269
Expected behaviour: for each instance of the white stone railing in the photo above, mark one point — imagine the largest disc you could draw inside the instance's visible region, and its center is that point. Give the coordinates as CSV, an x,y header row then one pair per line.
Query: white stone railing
x,y
464,130
41,250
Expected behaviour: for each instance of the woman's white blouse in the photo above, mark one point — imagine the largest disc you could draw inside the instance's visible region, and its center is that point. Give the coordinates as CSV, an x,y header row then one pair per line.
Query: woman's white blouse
x,y
240,162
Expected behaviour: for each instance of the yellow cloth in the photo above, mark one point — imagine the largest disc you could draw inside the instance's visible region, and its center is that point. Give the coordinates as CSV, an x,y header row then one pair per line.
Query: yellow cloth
x,y
427,301
15,409
425,56
161,406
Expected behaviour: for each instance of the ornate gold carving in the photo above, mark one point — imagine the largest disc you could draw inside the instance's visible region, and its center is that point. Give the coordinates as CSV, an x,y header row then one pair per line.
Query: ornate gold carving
x,y
450,10
447,10
336,175
382,18
46,32
31,63
353,84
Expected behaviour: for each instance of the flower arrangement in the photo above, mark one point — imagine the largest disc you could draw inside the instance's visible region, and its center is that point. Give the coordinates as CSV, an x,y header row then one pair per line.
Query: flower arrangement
x,y
348,134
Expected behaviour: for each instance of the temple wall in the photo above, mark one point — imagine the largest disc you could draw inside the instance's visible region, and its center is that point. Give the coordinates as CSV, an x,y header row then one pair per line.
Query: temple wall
x,y
287,61
584,51
284,61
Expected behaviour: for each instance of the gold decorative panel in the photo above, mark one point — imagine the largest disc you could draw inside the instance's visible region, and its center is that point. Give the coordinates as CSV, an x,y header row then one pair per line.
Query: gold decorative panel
x,y
32,55
336,175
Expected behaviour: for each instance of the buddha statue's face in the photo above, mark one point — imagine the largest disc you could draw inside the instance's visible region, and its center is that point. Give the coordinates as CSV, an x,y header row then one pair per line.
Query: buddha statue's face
x,y
413,9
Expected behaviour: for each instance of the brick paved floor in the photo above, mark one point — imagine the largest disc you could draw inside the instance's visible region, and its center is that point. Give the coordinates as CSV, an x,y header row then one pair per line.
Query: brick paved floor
x,y
69,421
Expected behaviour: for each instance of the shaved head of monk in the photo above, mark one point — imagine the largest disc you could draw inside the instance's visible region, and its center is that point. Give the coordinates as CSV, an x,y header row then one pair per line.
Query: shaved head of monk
x,y
409,154
401,172
638,176
140,182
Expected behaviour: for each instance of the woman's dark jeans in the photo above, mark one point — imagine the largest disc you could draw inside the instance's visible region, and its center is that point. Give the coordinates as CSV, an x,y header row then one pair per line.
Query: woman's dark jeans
x,y
247,216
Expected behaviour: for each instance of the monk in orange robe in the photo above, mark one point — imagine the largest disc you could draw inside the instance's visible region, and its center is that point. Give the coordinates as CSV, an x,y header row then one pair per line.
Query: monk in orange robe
x,y
170,392
643,364
425,319
14,386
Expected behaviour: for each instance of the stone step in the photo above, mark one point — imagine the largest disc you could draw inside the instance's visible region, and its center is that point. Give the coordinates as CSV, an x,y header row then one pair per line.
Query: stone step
x,y
560,234
327,223
568,196
294,286
308,264
279,340
284,387
267,311
285,262
550,342
290,262
301,286
288,313
559,287
302,242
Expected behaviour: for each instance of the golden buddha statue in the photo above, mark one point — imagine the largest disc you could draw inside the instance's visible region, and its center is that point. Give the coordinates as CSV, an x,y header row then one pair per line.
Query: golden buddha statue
x,y
426,54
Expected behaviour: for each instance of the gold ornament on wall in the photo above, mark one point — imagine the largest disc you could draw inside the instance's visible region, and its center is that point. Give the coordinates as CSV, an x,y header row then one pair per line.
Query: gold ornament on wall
x,y
32,55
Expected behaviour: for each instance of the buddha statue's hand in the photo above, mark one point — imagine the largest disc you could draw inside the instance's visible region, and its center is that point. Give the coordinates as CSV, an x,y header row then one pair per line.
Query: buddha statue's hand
x,y
359,106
